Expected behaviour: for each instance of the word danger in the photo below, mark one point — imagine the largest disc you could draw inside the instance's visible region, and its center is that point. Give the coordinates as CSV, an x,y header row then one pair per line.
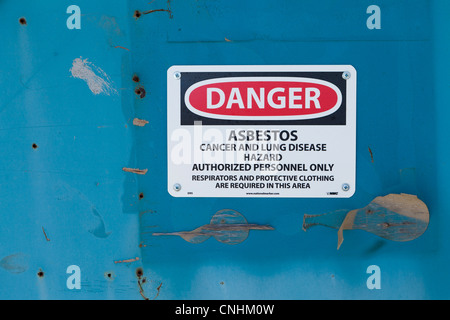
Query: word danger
x,y
257,98
277,98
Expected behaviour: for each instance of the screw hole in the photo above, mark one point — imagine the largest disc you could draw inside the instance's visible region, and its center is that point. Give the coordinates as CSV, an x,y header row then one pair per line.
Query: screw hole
x,y
135,78
34,146
40,274
137,14
22,21
141,195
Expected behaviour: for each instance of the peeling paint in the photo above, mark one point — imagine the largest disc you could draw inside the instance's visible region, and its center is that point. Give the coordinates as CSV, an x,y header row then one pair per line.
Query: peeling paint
x,y
226,226
397,217
97,80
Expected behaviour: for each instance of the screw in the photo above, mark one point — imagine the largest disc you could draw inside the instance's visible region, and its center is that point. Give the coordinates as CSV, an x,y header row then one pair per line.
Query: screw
x,y
177,187
177,75
345,187
346,75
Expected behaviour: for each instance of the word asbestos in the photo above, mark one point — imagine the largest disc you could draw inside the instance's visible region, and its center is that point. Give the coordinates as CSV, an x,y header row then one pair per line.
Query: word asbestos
x,y
227,309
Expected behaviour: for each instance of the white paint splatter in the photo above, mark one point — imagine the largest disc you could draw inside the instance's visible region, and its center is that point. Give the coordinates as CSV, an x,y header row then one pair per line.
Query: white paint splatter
x,y
97,80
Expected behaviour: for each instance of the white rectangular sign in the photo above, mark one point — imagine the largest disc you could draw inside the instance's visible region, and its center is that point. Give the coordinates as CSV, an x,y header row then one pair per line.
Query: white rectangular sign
x,y
261,131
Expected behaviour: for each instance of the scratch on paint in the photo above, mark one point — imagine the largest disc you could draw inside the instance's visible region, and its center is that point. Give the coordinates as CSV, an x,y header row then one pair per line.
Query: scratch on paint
x,y
46,238
127,260
97,80
133,170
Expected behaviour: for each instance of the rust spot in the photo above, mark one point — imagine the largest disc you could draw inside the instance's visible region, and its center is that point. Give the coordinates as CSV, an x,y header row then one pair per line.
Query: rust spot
x,y
371,154
23,21
137,14
40,273
140,91
141,195
139,122
135,78
34,146
142,245
139,272
133,170
222,283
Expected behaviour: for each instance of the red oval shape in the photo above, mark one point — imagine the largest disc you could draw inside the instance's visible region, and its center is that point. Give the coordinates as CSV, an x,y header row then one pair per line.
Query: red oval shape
x,y
263,98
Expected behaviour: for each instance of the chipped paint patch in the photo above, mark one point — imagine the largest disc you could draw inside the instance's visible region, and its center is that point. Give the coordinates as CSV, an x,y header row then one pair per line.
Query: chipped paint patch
x,y
137,171
139,122
127,260
97,80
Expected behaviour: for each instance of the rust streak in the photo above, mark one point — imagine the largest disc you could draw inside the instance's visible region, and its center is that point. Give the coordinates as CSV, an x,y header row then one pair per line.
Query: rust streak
x,y
46,238
141,290
127,260
157,291
134,170
156,10
122,48
371,154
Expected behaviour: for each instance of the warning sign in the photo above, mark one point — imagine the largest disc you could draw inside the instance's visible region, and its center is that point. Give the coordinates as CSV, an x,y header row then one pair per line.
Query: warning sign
x,y
261,131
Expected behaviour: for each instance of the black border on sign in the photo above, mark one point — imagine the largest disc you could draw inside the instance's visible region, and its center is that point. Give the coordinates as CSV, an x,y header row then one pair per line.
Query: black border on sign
x,y
335,77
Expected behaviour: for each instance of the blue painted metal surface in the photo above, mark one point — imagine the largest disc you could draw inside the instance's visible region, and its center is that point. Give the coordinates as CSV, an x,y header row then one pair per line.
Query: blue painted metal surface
x,y
67,200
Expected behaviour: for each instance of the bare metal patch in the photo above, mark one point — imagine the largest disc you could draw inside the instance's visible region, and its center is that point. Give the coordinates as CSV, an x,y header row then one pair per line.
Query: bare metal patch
x,y
97,80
